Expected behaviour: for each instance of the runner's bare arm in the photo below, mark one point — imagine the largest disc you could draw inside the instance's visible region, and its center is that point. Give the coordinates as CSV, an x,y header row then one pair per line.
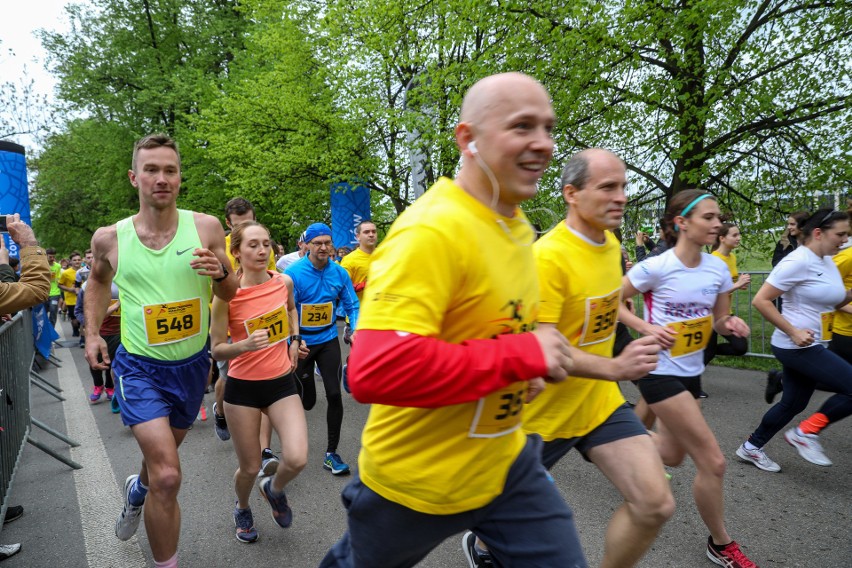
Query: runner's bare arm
x,y
105,252
293,322
211,260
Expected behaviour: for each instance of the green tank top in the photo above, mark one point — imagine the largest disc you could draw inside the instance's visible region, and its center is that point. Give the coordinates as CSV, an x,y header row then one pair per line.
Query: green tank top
x,y
164,302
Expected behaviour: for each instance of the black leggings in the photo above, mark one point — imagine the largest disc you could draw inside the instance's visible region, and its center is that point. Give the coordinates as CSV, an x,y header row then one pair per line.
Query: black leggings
x,y
327,358
736,347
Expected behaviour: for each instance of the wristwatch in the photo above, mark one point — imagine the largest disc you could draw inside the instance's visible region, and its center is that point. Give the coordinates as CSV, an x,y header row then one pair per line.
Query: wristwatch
x,y
224,275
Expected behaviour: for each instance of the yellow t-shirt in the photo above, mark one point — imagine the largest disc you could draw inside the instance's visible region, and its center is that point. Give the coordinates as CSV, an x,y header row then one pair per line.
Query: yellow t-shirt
x,y
731,262
235,265
67,279
842,320
448,270
580,286
356,264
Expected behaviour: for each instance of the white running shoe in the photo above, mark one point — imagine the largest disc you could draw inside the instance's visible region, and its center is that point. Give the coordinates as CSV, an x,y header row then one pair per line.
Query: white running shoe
x,y
808,446
128,521
758,457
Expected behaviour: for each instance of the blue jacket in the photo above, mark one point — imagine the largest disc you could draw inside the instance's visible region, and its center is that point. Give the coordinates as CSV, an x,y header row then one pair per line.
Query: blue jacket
x,y
317,293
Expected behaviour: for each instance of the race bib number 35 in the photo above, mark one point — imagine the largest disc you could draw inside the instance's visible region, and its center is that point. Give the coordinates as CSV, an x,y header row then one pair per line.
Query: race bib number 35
x,y
601,317
274,321
692,335
172,321
499,413
316,315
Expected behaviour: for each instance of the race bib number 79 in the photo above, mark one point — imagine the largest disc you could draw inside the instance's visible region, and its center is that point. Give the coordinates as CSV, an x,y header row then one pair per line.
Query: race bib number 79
x,y
172,321
692,335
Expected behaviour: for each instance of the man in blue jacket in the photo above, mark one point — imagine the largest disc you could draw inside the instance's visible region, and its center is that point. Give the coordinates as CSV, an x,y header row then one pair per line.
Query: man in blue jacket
x,y
318,286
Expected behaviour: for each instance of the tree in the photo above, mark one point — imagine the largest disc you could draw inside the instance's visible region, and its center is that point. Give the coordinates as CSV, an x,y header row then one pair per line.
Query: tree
x,y
748,98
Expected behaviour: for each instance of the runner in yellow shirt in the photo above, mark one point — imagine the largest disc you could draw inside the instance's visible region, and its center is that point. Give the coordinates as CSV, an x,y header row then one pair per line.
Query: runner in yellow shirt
x,y
448,351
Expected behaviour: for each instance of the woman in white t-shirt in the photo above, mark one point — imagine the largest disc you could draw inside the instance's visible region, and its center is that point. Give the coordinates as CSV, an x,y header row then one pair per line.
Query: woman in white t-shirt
x,y
686,298
812,288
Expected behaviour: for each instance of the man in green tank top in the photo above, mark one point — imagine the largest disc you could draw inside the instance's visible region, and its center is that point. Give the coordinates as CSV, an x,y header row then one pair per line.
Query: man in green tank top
x,y
163,261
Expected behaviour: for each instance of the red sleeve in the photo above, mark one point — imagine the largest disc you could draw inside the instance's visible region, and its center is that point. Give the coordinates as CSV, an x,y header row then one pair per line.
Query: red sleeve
x,y
360,286
403,369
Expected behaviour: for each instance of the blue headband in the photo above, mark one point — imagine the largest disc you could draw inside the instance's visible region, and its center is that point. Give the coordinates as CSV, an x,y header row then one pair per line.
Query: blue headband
x,y
317,230
690,206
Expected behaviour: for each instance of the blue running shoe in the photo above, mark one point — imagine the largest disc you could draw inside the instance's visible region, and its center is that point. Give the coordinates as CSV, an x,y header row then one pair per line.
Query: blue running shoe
x,y
335,464
128,522
346,379
244,521
281,511
114,405
220,425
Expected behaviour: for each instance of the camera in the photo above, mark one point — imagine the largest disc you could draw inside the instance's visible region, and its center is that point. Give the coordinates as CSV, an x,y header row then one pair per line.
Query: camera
x,y
3,227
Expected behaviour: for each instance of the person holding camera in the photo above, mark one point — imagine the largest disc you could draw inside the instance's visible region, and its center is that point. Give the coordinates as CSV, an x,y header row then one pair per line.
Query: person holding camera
x,y
34,285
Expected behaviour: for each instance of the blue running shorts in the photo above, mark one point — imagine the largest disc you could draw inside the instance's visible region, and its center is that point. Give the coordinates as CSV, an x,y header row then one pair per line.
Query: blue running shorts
x,y
150,388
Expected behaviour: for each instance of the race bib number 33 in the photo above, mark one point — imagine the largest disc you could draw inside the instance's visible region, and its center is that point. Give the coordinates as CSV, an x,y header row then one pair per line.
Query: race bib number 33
x,y
275,322
692,335
316,315
172,321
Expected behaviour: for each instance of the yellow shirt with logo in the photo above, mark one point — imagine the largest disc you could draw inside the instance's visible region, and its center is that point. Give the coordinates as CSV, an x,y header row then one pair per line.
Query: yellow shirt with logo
x,y
580,286
66,278
448,270
357,264
842,320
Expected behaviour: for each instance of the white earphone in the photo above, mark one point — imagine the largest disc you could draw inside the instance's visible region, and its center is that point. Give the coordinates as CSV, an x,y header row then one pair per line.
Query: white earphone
x,y
472,147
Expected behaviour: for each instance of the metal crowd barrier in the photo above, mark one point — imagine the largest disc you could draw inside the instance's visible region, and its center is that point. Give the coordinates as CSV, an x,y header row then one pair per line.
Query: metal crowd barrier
x,y
761,330
16,359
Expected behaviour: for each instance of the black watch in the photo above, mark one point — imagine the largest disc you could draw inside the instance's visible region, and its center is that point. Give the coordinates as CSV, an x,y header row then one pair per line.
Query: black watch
x,y
224,275
296,339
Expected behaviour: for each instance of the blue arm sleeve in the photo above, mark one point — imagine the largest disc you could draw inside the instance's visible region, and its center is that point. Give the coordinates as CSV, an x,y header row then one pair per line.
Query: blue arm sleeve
x,y
350,300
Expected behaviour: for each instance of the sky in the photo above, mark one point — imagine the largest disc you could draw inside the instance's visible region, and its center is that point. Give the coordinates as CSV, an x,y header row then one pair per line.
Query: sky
x,y
21,54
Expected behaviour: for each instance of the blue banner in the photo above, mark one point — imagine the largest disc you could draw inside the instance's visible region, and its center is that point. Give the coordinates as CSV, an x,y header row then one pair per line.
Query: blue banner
x,y
43,333
14,196
349,206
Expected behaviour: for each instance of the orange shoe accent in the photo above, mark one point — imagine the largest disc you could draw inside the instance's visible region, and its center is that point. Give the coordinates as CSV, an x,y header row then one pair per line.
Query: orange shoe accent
x,y
814,424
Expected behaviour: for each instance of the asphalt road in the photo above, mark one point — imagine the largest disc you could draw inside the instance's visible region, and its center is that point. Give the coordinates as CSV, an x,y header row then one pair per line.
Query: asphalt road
x,y
801,517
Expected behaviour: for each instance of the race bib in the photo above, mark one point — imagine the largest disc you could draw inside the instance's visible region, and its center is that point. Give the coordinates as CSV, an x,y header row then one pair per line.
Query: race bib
x,y
173,321
316,315
117,312
827,321
275,322
499,413
692,335
601,317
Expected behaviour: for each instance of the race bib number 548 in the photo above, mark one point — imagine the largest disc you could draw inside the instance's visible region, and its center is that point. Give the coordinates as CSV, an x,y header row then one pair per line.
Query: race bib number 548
x,y
172,321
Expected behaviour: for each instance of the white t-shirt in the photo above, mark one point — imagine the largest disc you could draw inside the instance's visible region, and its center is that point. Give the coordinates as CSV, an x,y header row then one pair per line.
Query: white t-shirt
x,y
287,260
683,298
812,286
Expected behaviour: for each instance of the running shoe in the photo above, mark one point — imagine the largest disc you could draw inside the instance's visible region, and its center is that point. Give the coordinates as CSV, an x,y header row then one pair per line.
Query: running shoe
x,y
335,464
808,446
346,379
475,558
729,556
128,521
114,405
759,458
13,513
702,394
244,522
9,550
221,425
269,463
202,414
281,511
773,386
97,393
110,393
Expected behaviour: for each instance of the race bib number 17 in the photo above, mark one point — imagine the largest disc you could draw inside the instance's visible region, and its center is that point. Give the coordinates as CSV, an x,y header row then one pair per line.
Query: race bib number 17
x,y
275,322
